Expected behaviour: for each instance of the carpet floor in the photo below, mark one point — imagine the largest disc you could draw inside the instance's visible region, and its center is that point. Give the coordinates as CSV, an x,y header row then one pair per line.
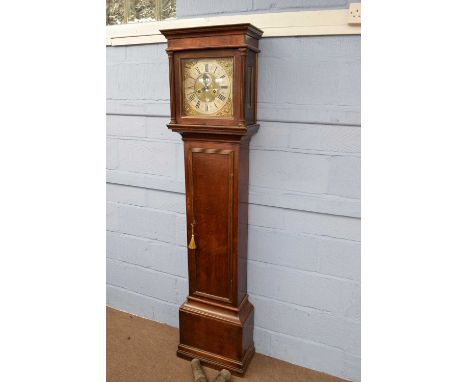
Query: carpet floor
x,y
140,350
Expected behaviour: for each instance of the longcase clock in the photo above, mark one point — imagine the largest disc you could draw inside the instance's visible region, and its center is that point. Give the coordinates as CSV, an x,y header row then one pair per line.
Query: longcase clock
x,y
213,87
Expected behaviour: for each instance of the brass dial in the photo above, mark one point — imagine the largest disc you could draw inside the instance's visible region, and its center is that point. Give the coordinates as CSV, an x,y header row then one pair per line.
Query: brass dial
x,y
207,87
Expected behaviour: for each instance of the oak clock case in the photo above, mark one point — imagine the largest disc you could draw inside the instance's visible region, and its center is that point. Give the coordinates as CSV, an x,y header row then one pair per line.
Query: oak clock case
x,y
213,83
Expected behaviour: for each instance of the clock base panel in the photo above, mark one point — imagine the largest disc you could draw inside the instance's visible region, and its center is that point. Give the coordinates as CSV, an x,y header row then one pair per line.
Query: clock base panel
x,y
220,339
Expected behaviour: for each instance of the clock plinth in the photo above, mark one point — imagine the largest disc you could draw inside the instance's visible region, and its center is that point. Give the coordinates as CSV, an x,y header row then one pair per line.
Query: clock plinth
x,y
213,77
221,338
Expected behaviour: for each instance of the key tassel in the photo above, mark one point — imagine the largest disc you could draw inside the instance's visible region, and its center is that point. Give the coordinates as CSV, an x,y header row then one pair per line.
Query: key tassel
x,y
192,244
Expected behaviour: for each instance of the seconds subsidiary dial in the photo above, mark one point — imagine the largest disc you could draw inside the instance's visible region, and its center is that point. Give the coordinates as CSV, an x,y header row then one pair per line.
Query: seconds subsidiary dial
x,y
207,87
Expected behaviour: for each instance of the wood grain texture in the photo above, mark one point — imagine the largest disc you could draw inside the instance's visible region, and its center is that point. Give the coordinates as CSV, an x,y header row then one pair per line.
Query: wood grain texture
x,y
210,174
216,322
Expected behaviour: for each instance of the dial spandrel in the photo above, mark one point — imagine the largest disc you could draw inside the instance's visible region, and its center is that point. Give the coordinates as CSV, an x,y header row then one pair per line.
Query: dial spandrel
x,y
207,87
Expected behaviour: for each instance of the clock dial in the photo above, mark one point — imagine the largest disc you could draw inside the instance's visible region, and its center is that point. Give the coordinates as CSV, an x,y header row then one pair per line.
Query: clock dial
x,y
207,87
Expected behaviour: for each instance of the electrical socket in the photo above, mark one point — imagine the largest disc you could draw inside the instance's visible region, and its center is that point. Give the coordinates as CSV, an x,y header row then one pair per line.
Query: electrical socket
x,y
354,13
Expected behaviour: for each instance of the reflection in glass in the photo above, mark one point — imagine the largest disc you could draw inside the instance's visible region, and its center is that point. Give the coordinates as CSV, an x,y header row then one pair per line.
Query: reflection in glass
x,y
168,9
115,12
143,10
131,11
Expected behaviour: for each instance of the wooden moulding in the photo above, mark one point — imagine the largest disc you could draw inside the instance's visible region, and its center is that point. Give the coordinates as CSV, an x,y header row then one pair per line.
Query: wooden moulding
x,y
212,37
229,132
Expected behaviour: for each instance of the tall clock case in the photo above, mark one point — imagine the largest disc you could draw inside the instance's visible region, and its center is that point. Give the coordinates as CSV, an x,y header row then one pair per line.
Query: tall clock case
x,y
216,321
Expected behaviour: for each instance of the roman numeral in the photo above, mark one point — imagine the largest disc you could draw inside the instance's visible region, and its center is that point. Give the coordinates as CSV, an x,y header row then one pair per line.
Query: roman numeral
x,y
198,70
198,104
223,76
206,107
221,97
191,97
215,70
224,87
206,68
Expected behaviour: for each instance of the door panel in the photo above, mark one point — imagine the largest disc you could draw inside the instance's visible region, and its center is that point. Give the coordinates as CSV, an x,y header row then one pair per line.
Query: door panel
x,y
211,183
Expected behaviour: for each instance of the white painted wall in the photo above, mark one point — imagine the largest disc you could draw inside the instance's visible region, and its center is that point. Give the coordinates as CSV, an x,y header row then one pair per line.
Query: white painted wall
x,y
304,231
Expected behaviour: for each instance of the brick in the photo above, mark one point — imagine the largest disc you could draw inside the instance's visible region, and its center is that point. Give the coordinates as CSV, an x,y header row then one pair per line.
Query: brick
x,y
345,177
129,249
309,324
325,79
125,194
262,340
338,258
167,201
210,7
156,127
282,248
327,256
115,54
272,134
352,368
181,230
353,310
138,107
264,216
147,53
143,306
327,138
308,137
322,224
307,354
180,164
169,258
112,217
147,223
126,126
156,158
112,154
303,288
146,181
207,7
156,255
266,5
138,81
305,201
289,171
305,222
147,282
